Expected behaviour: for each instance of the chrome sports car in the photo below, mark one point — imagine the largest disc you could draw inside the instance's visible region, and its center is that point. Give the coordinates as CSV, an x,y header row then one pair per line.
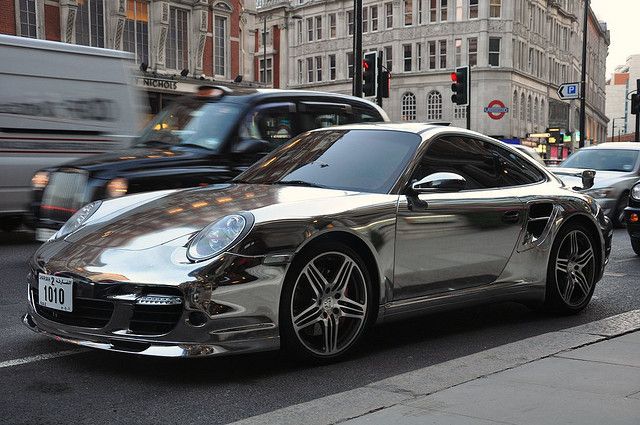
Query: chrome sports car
x,y
336,230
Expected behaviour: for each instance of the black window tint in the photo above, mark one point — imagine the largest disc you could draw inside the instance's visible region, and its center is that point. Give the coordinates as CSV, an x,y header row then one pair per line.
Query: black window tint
x,y
272,124
472,159
514,170
367,115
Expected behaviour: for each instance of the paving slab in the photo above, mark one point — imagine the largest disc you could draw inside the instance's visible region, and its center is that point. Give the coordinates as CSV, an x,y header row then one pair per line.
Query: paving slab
x,y
528,404
612,351
611,326
406,415
632,338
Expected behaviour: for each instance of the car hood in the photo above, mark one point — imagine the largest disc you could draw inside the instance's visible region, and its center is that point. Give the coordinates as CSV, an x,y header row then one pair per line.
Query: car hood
x,y
139,158
572,177
170,216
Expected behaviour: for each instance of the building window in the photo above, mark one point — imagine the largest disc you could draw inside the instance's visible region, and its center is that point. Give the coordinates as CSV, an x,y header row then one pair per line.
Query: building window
x,y
444,12
495,7
350,22
365,19
90,23
529,110
388,57
178,44
266,75
310,70
407,57
220,40
408,13
419,56
28,25
494,51
536,117
299,27
318,68
434,105
443,54
459,14
332,67
522,108
433,10
408,108
473,51
332,25
309,29
135,37
350,64
388,7
460,112
473,9
458,46
374,18
432,55
420,12
300,71
318,27
514,106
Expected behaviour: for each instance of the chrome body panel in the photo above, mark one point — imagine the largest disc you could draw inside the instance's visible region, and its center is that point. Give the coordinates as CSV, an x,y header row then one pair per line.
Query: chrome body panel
x,y
136,246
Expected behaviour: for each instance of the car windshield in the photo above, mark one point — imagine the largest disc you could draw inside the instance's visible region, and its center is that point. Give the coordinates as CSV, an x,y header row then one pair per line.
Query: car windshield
x,y
603,159
191,122
359,160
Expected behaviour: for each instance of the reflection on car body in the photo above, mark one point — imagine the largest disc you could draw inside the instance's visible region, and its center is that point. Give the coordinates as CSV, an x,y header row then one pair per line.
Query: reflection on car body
x,y
335,230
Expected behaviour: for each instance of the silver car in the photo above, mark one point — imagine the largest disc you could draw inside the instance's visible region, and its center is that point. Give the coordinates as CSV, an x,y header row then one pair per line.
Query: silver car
x,y
334,231
617,168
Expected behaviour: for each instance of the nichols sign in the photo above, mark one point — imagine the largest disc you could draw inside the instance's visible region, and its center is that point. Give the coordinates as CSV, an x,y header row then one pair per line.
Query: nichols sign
x,y
496,109
158,83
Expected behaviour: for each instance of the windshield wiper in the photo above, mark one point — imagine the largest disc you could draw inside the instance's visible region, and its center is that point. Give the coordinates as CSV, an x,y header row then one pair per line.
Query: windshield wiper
x,y
299,183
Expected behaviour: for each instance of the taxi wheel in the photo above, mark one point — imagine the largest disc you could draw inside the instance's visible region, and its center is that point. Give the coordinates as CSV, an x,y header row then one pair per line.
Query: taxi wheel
x,y
635,244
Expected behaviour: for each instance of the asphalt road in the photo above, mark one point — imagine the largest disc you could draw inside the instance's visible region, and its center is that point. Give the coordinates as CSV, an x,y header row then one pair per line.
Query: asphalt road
x,y
101,387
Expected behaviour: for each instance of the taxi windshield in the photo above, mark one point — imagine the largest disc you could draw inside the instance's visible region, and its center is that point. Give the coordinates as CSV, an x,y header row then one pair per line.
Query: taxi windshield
x,y
192,122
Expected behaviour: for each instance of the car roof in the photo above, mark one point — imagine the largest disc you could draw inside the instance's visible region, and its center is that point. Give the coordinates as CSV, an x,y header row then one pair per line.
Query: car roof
x,y
615,145
425,130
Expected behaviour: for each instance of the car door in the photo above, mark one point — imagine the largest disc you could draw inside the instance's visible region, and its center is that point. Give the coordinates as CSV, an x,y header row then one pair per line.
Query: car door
x,y
452,241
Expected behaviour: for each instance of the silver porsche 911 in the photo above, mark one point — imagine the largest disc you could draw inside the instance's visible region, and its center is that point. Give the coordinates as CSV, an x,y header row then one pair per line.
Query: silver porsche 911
x,y
334,231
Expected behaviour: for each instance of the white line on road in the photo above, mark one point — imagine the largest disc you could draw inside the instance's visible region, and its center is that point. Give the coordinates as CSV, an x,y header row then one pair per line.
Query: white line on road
x,y
39,357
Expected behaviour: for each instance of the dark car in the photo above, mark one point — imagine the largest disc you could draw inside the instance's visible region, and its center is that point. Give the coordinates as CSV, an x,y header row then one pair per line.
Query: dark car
x,y
632,217
199,140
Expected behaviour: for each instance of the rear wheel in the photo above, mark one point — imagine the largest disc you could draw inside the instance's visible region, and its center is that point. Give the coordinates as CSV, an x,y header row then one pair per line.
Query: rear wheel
x,y
326,303
572,270
635,244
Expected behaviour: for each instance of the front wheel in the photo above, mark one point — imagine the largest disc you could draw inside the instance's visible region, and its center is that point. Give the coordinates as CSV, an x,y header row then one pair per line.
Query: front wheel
x,y
326,303
572,270
635,244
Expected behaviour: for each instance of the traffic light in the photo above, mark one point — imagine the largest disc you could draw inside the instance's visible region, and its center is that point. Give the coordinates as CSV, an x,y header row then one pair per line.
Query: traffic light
x,y
385,82
635,104
460,86
369,77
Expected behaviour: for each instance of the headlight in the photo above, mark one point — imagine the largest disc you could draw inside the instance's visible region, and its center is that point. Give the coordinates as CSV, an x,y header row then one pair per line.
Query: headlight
x,y
78,219
218,236
600,193
635,192
40,180
117,187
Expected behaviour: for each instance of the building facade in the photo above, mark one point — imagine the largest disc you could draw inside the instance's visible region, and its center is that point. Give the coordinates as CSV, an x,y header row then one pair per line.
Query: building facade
x,y
618,108
519,51
176,43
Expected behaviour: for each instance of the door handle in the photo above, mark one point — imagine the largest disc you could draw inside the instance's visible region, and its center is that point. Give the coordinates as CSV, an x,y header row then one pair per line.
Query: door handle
x,y
511,217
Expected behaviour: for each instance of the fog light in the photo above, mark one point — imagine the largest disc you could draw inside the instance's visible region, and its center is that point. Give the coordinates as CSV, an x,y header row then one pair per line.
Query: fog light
x,y
197,318
633,218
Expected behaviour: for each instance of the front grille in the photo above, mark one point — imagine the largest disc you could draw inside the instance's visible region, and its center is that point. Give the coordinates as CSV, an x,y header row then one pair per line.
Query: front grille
x,y
64,195
87,312
154,319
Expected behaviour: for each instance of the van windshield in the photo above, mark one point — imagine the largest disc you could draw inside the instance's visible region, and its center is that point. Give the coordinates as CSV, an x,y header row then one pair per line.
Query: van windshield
x,y
191,122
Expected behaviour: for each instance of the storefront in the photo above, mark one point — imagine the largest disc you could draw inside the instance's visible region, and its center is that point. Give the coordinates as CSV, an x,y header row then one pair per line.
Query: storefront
x,y
161,90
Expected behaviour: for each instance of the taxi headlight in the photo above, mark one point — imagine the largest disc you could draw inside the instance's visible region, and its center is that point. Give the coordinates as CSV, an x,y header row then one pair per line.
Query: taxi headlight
x,y
78,219
635,192
219,236
117,187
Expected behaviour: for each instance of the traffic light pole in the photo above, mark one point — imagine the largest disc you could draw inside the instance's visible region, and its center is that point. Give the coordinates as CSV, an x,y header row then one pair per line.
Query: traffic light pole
x,y
469,100
583,76
379,81
638,115
357,48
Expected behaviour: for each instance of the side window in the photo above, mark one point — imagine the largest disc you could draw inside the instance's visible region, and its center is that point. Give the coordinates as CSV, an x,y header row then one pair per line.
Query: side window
x,y
515,171
467,157
367,115
271,123
321,114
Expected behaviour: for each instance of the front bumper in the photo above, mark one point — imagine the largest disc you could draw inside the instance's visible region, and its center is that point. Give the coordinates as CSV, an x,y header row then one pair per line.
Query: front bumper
x,y
608,206
233,310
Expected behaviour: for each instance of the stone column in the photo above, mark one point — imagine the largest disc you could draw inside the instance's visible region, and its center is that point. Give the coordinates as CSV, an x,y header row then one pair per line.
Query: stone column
x,y
199,22
68,10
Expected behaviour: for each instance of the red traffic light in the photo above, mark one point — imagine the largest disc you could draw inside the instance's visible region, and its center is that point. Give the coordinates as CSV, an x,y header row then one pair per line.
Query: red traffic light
x,y
365,65
454,77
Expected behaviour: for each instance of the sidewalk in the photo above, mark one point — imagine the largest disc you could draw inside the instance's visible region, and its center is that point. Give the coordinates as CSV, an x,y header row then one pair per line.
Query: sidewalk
x,y
596,384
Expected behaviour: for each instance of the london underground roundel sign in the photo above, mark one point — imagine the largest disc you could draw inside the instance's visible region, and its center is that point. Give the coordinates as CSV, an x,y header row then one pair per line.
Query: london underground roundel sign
x,y
496,109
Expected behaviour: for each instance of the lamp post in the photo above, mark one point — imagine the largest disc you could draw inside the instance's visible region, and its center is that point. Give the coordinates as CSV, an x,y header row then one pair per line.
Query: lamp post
x,y
264,43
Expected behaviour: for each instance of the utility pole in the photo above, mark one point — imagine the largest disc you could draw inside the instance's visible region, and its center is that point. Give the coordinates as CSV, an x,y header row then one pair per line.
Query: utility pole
x,y
583,75
637,105
357,48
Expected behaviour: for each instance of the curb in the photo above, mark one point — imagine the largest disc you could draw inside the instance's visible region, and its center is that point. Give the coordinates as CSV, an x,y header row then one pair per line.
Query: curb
x,y
375,396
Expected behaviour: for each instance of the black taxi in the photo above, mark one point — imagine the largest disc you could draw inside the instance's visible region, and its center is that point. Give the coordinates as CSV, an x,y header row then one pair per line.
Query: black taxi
x,y
198,140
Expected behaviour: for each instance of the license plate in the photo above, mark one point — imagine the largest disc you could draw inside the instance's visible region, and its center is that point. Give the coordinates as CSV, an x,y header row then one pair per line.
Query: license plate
x,y
43,235
55,292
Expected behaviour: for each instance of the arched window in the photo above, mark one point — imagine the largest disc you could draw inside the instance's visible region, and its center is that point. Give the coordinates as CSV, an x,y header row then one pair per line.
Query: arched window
x,y
522,108
536,116
529,109
543,116
514,105
434,105
408,107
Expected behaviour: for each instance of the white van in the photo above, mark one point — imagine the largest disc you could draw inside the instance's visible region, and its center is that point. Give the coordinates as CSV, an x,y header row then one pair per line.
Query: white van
x,y
58,102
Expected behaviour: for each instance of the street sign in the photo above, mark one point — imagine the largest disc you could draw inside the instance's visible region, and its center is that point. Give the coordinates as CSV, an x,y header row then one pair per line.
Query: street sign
x,y
496,109
569,91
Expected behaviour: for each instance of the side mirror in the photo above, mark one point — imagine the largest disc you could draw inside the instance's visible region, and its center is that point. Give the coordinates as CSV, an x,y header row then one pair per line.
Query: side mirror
x,y
440,182
251,147
588,178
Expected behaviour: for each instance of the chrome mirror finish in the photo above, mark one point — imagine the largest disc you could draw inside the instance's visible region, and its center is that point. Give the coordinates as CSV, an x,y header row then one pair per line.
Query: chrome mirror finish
x,y
440,182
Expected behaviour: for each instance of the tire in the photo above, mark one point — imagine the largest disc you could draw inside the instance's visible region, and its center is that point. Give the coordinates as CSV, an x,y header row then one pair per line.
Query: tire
x,y
571,271
9,224
617,217
323,306
635,244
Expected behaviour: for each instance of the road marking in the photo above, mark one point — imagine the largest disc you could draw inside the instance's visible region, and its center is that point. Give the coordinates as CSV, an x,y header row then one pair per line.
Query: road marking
x,y
611,274
39,357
